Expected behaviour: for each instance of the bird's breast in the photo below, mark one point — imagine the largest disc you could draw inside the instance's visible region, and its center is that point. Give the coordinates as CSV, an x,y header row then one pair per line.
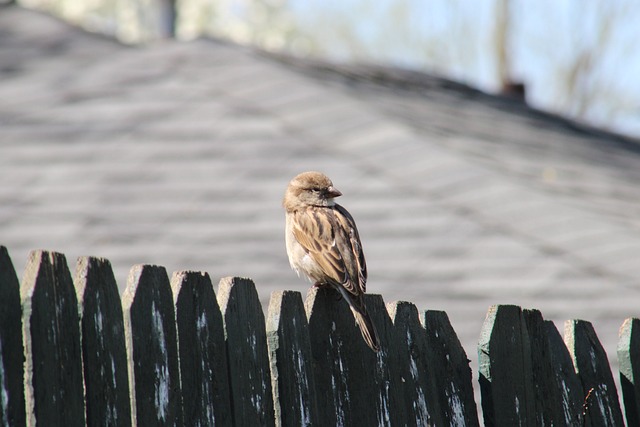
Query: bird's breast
x,y
300,260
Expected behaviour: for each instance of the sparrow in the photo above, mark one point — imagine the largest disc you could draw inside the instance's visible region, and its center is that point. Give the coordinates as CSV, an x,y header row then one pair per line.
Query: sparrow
x,y
323,244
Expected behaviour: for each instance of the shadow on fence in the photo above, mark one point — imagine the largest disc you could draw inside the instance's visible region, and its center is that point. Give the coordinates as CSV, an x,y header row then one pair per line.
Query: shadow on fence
x,y
171,353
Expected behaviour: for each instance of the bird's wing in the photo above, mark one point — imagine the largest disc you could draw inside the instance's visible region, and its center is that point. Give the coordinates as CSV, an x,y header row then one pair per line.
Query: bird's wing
x,y
331,238
359,267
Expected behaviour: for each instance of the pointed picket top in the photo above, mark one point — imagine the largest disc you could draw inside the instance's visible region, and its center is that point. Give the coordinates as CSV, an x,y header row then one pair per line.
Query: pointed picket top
x,y
592,366
337,349
12,405
51,334
103,346
504,359
557,390
246,341
411,346
629,359
150,336
385,374
294,390
547,396
203,354
565,377
450,384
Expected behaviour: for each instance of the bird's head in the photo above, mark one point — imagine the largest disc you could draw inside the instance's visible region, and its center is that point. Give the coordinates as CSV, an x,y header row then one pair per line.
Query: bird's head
x,y
310,189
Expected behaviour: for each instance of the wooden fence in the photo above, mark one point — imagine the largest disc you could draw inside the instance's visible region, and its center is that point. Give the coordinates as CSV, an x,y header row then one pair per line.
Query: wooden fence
x,y
169,353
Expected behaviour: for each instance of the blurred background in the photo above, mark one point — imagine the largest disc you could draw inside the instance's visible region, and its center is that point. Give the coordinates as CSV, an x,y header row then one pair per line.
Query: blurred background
x,y
576,58
170,137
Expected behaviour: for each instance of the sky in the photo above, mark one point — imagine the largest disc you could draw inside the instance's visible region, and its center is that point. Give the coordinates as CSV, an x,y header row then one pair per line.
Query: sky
x,y
580,59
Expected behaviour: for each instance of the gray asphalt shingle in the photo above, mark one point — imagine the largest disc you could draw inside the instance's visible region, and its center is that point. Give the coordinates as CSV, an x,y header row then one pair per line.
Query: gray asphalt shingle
x,y
179,153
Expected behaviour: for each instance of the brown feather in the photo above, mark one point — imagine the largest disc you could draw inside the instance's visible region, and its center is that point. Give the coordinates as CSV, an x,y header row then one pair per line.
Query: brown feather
x,y
336,249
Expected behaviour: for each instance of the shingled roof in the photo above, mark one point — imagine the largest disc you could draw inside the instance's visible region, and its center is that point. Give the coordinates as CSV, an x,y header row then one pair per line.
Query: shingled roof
x,y
178,154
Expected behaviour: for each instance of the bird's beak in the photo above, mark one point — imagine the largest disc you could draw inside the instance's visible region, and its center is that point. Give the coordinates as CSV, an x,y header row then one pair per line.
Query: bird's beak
x,y
333,192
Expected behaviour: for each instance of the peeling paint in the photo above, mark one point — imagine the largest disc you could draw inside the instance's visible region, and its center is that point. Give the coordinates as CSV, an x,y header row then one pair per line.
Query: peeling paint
x,y
384,417
338,403
303,385
456,405
420,405
161,369
4,393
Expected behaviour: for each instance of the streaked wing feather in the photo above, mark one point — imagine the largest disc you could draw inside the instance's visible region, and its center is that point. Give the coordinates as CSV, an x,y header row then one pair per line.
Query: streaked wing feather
x,y
331,239
317,237
349,224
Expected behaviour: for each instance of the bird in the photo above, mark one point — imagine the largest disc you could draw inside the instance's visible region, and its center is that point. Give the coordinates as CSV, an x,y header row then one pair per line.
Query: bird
x,y
323,244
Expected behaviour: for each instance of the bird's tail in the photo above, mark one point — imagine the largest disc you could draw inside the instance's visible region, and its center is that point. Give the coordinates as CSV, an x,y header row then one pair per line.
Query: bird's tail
x,y
367,328
359,310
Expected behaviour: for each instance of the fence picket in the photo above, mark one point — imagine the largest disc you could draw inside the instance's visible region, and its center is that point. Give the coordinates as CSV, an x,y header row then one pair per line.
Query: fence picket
x,y
246,341
629,359
592,366
384,372
557,389
150,334
12,403
103,348
451,387
54,392
505,368
566,380
294,391
203,355
339,354
411,346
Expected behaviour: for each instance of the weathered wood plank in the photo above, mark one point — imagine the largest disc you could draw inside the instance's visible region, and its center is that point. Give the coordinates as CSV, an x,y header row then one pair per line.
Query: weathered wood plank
x,y
338,351
382,368
557,389
505,368
592,366
247,354
566,378
629,359
203,355
12,406
293,384
103,347
413,365
150,334
547,397
451,386
54,393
